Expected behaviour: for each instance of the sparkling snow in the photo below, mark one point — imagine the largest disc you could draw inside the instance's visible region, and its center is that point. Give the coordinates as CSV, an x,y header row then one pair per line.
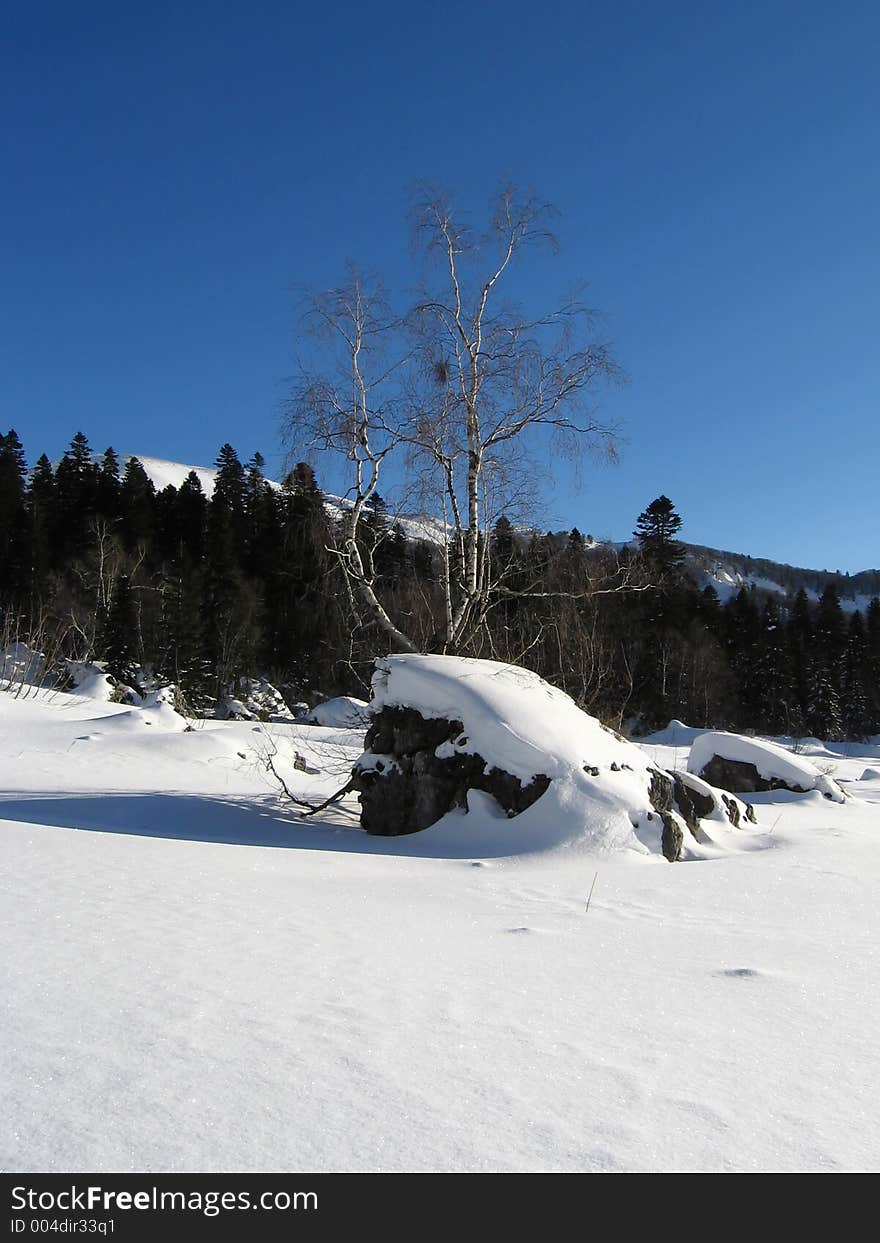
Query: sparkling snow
x,y
195,979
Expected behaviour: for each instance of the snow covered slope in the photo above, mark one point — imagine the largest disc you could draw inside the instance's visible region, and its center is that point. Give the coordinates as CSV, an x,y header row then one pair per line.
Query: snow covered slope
x,y
195,979
164,474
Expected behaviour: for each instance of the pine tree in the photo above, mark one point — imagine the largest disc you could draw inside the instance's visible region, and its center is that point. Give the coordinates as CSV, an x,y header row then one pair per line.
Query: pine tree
x,y
232,606
656,530
772,681
229,483
858,718
107,489
262,527
829,640
137,502
743,640
13,519
42,505
799,640
191,520
120,636
872,640
298,592
503,544
76,481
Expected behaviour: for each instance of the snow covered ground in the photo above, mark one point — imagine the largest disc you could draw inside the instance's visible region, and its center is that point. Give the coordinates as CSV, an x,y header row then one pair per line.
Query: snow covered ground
x,y
195,979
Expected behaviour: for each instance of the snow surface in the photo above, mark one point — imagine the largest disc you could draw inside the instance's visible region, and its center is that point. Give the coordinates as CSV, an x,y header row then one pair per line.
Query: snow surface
x,y
173,474
770,759
195,979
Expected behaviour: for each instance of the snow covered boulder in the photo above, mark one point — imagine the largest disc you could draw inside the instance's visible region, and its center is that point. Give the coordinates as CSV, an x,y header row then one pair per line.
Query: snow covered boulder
x,y
251,699
746,764
90,680
341,713
447,732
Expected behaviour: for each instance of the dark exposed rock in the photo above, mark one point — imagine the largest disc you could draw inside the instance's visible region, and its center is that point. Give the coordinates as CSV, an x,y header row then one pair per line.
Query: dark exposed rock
x,y
404,787
703,804
742,778
673,838
732,808
404,731
686,802
661,791
694,804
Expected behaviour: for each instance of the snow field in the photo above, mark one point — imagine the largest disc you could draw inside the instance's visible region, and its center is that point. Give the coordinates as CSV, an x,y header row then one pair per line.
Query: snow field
x,y
195,979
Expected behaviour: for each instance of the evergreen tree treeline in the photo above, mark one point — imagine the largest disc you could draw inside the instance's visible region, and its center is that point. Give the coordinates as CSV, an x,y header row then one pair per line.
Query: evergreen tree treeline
x,y
203,591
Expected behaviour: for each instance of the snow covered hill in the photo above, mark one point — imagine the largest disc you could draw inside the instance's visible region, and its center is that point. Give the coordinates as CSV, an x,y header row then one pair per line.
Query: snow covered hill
x,y
164,474
196,979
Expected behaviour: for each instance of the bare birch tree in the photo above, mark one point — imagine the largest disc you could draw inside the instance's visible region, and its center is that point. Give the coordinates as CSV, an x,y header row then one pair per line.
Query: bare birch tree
x,y
465,389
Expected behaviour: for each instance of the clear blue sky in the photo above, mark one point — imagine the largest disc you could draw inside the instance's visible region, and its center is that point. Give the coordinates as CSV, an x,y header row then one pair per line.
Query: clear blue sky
x,y
172,172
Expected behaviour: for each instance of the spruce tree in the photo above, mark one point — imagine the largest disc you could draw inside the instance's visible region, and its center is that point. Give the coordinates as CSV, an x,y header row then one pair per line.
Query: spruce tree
x,y
232,606
137,501
107,489
191,519
13,520
299,598
872,640
656,530
76,481
829,641
857,714
42,505
773,693
120,637
801,661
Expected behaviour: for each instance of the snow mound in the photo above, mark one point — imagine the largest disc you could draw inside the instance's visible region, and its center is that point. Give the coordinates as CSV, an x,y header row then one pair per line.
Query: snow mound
x,y
600,785
771,761
675,734
90,680
345,712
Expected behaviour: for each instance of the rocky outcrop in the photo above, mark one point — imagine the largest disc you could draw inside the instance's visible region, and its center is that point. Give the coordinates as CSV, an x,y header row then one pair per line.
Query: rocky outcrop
x,y
418,768
742,778
405,786
693,804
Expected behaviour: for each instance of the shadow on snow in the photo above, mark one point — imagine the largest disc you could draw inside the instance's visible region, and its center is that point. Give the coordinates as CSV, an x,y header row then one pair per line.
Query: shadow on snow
x,y
234,822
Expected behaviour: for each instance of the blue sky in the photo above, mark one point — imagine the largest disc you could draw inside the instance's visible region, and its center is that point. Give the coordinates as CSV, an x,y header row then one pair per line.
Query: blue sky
x,y
174,173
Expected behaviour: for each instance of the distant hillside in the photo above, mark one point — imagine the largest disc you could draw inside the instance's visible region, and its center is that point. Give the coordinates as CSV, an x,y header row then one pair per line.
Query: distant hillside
x,y
727,572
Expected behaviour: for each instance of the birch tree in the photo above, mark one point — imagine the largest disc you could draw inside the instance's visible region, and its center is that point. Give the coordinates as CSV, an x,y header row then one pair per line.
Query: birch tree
x,y
464,392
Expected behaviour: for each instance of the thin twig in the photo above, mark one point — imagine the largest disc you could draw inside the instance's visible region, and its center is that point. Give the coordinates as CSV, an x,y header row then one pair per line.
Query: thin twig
x,y
590,896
